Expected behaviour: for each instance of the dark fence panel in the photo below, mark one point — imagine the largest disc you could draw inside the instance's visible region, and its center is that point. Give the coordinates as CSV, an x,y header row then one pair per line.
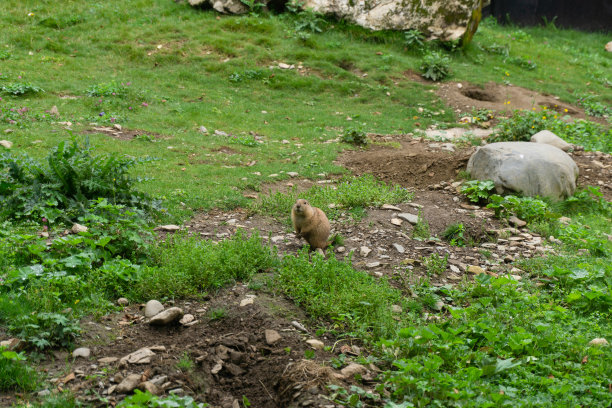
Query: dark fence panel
x,y
592,15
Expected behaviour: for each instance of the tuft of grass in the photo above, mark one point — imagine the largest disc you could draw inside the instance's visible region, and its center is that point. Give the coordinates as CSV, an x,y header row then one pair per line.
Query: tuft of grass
x,y
350,194
15,374
187,266
332,289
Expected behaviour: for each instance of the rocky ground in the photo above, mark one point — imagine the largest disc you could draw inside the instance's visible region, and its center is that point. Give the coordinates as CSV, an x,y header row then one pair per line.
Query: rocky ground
x,y
243,342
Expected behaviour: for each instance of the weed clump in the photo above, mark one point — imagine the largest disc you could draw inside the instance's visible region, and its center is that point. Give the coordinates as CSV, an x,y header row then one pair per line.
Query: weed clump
x,y
435,66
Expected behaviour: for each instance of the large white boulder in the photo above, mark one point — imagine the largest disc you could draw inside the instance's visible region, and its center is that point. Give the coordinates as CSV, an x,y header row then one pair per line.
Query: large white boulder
x,y
532,169
446,19
548,137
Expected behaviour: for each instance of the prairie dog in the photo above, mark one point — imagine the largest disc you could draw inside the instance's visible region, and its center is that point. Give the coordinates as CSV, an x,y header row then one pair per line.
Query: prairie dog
x,y
310,223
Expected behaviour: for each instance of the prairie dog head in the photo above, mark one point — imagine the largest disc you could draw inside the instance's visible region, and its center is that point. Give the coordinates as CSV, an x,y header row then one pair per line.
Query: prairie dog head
x,y
302,206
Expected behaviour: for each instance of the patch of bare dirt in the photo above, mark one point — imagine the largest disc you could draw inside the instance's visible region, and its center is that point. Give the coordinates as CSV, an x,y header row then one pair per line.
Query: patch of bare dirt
x,y
464,97
414,164
118,132
230,356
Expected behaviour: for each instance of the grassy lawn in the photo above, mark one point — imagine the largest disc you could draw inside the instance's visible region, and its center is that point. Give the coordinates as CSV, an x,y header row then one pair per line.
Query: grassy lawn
x,y
162,71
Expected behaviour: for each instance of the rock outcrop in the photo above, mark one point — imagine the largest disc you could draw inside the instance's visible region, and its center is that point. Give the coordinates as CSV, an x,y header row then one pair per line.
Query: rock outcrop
x,y
533,169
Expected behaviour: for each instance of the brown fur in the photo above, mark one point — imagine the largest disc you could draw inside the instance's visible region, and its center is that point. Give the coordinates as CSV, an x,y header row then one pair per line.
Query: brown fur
x,y
311,224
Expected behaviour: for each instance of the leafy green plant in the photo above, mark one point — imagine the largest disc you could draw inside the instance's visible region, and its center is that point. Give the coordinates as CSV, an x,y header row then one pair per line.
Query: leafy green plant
x,y
524,124
355,136
248,74
435,264
4,55
309,21
108,89
526,208
435,66
147,400
478,191
414,39
20,89
15,374
594,108
455,234
245,140
43,330
255,7
64,186
353,397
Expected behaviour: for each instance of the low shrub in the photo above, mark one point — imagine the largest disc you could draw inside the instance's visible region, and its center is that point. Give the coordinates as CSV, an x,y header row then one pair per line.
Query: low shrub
x,y
435,66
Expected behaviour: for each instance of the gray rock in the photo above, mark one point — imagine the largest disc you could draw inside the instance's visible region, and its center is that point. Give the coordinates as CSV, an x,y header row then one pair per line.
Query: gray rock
x,y
353,369
6,144
411,218
129,384
399,248
188,318
222,6
202,129
140,356
272,336
316,344
548,137
532,169
44,393
439,19
364,251
123,301
151,387
76,228
83,352
107,360
153,307
517,222
166,317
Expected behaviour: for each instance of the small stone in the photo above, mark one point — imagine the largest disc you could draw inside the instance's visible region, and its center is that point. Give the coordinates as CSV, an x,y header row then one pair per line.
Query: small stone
x,y
469,207
220,133
117,126
168,228
76,228
150,387
364,251
177,391
166,317
123,301
6,144
282,65
54,111
83,352
44,393
454,268
152,308
299,326
399,248
390,207
600,341
129,384
396,309
565,220
202,129
292,174
396,221
159,380
411,218
186,319
373,264
140,356
315,344
247,301
340,249
516,277
476,270
107,360
272,336
517,222
353,369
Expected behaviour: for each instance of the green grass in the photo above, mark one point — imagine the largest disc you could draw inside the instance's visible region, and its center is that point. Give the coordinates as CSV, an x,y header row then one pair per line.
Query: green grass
x,y
351,194
167,69
186,267
185,84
